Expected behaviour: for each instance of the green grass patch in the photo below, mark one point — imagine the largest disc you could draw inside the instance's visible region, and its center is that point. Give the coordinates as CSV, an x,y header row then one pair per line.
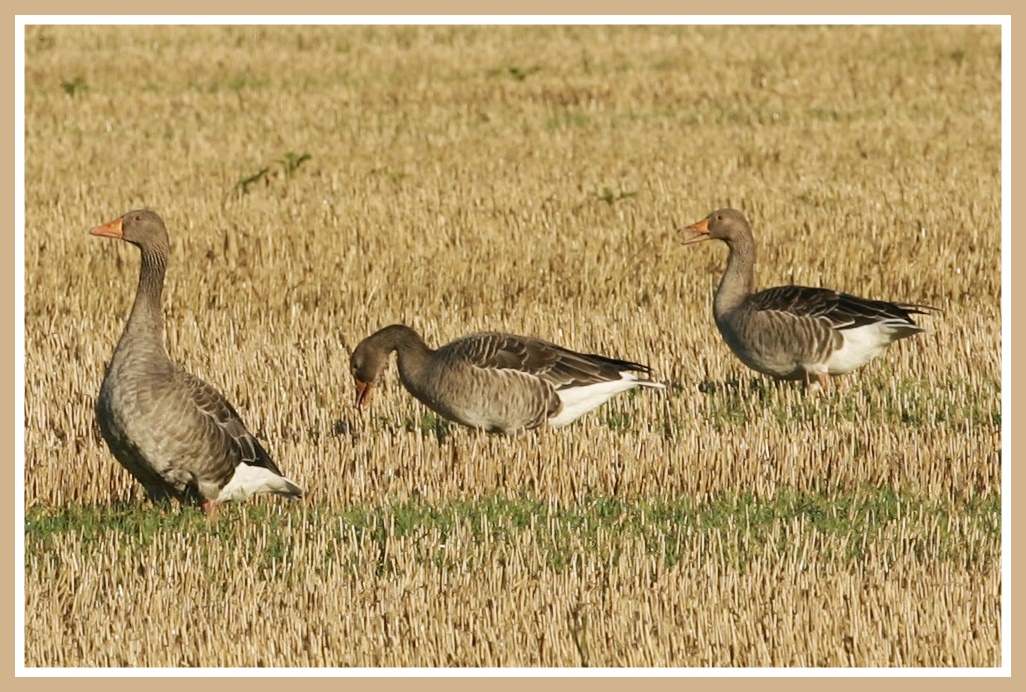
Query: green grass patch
x,y
75,87
429,424
877,519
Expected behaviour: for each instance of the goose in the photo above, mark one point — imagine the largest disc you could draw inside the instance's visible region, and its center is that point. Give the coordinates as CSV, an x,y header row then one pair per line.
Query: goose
x,y
177,435
493,381
796,332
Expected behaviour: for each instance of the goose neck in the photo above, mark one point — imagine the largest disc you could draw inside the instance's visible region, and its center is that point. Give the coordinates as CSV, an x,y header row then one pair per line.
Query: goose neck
x,y
411,350
146,319
739,278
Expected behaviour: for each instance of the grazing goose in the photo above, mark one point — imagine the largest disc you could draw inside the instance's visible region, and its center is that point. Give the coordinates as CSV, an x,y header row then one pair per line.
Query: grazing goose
x,y
176,434
496,382
796,332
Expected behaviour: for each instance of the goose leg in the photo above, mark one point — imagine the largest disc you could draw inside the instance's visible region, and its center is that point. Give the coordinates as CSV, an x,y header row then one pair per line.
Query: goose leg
x,y
820,384
210,507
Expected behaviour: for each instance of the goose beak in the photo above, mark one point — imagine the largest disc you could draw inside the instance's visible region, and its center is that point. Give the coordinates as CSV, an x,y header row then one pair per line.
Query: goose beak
x,y
363,393
108,230
700,230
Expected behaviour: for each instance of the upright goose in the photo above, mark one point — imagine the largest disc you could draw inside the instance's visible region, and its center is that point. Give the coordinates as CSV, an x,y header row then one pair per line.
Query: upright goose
x,y
176,434
796,332
496,382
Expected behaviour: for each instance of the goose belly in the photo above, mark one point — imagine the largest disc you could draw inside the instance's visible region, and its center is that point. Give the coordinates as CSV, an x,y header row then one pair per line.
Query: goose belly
x,y
487,413
136,448
502,402
799,353
159,450
792,348
779,355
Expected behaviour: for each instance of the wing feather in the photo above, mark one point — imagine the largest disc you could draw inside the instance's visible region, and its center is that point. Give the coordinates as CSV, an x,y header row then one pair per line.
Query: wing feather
x,y
555,364
841,310
227,423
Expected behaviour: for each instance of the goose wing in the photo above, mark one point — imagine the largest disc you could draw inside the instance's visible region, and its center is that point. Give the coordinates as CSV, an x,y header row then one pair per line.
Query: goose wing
x,y
554,364
226,425
841,310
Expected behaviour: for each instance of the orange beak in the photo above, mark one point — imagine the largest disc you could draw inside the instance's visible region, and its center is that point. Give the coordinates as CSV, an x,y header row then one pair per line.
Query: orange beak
x,y
700,229
108,230
363,393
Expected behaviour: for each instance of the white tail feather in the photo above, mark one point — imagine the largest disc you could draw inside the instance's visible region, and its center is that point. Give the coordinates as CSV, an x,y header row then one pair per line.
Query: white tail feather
x,y
249,480
579,400
863,344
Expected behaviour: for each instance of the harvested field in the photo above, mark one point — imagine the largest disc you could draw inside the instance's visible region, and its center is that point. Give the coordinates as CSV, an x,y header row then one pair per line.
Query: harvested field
x,y
321,182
